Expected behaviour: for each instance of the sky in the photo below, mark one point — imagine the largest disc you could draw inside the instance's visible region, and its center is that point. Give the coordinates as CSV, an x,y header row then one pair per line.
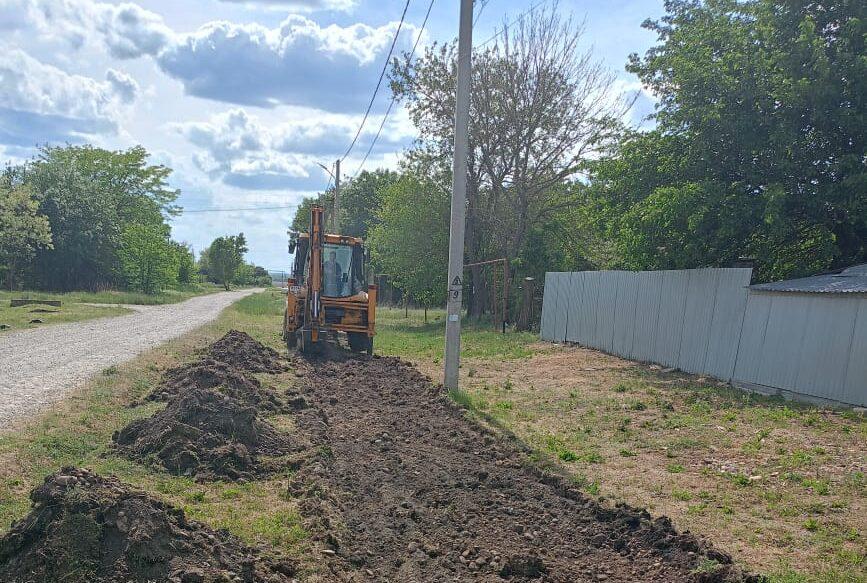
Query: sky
x,y
245,98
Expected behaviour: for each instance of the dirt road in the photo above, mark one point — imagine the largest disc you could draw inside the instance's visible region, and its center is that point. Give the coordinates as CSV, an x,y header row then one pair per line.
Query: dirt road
x,y
39,367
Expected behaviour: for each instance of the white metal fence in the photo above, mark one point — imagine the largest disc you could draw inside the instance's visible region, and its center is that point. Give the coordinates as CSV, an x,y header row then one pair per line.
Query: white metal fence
x,y
707,321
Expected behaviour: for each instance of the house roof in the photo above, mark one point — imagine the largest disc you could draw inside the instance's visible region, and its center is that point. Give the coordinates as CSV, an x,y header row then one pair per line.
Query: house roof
x,y
849,281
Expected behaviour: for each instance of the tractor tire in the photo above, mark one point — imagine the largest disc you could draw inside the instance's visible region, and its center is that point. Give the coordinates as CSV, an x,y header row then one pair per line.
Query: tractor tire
x,y
360,342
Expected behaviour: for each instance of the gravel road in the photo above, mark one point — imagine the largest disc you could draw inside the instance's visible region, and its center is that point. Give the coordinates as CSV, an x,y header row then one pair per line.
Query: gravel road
x,y
40,366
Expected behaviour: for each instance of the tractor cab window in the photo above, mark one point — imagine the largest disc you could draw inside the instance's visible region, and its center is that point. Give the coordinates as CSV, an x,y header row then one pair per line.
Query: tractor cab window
x,y
339,271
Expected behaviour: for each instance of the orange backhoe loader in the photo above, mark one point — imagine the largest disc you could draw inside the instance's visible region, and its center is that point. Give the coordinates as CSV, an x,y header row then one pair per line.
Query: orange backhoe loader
x,y
328,294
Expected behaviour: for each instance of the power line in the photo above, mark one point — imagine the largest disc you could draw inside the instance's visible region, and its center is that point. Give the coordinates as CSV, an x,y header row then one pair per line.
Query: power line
x,y
225,210
378,83
482,6
393,98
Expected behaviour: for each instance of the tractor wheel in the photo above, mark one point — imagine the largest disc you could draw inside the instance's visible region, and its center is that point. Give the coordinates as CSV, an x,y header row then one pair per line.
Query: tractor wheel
x,y
360,342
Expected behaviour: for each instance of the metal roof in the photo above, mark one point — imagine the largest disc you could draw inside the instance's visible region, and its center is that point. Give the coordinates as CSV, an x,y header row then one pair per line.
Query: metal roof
x,y
849,281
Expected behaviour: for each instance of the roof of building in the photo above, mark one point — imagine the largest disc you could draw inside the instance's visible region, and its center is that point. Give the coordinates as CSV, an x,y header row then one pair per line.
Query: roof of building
x,y
849,281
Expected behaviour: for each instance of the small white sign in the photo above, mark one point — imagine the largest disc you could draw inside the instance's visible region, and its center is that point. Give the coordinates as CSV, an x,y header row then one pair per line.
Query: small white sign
x,y
454,318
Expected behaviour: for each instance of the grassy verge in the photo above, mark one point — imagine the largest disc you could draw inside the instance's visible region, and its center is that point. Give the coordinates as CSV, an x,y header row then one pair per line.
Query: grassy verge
x,y
779,485
78,432
75,305
411,337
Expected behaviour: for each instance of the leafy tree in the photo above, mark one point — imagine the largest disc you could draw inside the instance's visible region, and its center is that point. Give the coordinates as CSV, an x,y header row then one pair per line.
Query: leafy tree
x,y
149,258
186,263
761,141
410,239
225,257
22,229
361,199
90,196
540,107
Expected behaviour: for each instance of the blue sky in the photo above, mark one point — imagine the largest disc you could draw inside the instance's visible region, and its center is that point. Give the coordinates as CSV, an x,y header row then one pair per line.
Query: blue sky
x,y
242,98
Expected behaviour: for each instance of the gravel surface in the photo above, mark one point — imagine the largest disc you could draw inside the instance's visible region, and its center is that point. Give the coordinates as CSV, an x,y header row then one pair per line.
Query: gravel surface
x,y
40,366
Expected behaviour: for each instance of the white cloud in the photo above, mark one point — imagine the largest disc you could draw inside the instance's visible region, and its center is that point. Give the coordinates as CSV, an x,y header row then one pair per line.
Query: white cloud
x,y
125,30
124,86
300,5
130,31
298,62
39,102
243,151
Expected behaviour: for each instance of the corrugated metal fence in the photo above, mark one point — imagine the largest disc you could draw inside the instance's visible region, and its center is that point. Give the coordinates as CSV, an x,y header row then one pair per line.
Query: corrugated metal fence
x,y
707,321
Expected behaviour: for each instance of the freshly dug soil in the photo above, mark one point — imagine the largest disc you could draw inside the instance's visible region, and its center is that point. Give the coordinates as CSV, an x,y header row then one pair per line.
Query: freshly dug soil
x,y
408,489
206,434
240,350
226,378
85,528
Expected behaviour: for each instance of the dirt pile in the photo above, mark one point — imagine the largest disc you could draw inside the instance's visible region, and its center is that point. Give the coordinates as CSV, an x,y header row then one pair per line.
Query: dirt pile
x,y
241,351
87,528
208,373
410,490
207,434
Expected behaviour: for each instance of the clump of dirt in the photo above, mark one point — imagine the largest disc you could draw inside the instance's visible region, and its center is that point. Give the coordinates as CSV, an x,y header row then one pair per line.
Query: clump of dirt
x,y
410,489
84,528
240,350
229,380
209,435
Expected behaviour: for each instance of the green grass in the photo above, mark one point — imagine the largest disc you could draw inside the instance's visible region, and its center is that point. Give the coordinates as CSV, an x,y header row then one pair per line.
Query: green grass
x,y
411,337
75,306
78,430
169,296
20,318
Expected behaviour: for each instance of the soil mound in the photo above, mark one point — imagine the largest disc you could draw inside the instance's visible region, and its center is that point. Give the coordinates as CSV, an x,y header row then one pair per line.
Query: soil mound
x,y
240,350
84,528
215,374
206,434
412,490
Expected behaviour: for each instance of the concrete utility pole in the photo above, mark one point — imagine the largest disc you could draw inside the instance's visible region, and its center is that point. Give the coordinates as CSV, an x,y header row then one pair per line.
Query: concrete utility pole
x,y
334,220
459,197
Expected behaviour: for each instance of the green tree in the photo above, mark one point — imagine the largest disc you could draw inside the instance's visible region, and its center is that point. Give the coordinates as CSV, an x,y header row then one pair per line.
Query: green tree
x,y
186,263
90,196
410,239
761,141
361,199
225,258
541,106
22,229
148,257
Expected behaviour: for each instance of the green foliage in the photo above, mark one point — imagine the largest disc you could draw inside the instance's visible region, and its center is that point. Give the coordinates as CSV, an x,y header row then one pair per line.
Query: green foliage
x,y
410,242
149,259
760,141
225,258
90,196
361,200
22,229
186,263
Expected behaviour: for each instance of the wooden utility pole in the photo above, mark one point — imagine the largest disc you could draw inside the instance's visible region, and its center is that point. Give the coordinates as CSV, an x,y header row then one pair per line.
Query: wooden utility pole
x,y
459,197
